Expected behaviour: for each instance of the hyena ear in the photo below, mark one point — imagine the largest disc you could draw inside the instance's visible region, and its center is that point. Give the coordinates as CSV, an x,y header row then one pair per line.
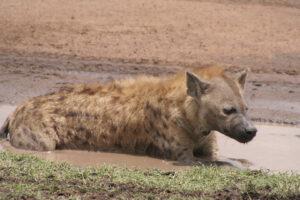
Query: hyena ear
x,y
241,77
195,87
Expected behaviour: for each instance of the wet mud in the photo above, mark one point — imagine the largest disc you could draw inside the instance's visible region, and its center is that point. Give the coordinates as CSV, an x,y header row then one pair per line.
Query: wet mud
x,y
275,147
272,97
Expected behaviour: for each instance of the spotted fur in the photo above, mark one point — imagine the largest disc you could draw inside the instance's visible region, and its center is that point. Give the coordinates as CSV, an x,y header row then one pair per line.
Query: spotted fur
x,y
146,115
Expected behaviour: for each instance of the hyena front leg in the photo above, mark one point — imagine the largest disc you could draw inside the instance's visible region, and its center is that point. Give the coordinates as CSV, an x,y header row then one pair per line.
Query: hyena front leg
x,y
207,147
160,146
172,141
186,156
156,127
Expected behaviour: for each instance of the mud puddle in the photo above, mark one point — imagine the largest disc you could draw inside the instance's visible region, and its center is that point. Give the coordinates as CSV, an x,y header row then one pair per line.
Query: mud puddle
x,y
275,148
89,158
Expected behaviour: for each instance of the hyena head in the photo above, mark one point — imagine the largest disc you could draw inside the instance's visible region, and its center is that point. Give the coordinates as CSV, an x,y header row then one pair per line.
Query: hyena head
x,y
221,104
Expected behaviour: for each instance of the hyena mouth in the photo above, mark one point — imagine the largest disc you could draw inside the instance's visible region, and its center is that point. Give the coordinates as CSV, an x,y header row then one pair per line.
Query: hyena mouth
x,y
240,136
245,138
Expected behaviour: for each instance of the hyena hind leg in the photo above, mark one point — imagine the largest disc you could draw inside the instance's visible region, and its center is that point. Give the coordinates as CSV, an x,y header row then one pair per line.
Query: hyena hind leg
x,y
25,138
4,129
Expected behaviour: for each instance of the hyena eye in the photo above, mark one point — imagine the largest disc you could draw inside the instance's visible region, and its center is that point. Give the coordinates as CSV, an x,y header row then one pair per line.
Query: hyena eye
x,y
229,110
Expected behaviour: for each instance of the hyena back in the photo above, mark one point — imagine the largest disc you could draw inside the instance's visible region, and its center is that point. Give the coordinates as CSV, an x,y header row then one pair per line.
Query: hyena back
x,y
173,117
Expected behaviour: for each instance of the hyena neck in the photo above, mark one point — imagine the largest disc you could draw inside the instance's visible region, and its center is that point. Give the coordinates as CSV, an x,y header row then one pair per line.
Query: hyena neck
x,y
190,122
186,108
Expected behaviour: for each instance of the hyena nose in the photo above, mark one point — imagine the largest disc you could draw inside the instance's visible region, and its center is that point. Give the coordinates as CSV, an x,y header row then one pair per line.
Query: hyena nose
x,y
251,131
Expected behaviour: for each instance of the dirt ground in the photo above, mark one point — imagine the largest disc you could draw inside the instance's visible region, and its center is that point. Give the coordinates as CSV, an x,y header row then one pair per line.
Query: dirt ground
x,y
46,44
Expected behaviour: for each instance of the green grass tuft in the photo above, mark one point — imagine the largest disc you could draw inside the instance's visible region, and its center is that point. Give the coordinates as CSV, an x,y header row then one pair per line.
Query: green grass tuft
x,y
25,176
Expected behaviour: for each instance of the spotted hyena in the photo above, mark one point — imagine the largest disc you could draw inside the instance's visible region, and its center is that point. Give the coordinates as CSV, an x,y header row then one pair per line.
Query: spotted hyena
x,y
172,117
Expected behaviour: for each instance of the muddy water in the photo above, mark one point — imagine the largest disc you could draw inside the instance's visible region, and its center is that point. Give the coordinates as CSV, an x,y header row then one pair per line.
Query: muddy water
x,y
88,158
275,147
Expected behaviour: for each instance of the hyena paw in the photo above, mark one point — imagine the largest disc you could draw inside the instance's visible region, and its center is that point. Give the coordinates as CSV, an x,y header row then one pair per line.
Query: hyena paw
x,y
218,163
193,161
234,163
